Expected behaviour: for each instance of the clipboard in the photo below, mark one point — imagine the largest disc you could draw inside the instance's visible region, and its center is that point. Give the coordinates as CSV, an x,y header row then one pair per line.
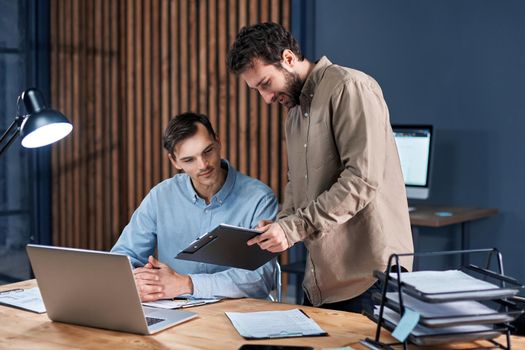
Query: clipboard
x,y
226,245
275,324
25,299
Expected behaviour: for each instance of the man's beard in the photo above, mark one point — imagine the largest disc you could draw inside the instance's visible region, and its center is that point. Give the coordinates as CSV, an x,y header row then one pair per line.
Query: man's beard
x,y
293,88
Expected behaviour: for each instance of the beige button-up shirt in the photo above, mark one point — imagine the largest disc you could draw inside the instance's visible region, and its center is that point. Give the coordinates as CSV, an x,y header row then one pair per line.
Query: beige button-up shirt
x,y
345,197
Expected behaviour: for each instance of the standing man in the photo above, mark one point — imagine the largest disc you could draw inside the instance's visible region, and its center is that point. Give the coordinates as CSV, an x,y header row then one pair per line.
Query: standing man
x,y
176,211
345,196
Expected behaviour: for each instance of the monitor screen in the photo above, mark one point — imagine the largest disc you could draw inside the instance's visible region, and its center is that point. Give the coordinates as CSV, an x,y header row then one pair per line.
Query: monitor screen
x,y
414,146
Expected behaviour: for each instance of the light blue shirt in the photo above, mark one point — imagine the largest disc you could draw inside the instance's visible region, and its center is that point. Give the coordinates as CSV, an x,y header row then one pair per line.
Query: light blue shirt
x,y
172,216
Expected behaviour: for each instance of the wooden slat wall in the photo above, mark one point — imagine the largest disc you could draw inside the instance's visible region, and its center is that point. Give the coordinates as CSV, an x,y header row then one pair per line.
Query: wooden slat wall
x,y
120,70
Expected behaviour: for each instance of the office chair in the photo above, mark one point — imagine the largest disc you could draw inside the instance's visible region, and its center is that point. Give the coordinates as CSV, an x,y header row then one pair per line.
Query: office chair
x,y
277,284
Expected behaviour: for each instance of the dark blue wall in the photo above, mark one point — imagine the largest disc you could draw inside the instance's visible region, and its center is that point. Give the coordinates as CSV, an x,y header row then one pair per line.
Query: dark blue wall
x,y
25,196
459,65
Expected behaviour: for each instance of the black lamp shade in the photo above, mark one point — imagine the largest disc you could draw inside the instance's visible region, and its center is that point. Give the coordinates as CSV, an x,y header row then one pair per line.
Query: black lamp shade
x,y
43,125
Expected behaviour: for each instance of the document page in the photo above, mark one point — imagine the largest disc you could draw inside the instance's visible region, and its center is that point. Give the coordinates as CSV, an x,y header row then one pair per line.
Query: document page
x,y
444,281
453,284
27,299
419,331
447,309
274,324
453,313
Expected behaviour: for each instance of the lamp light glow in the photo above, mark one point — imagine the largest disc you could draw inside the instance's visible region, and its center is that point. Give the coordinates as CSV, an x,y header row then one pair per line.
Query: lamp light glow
x,y
46,135
40,127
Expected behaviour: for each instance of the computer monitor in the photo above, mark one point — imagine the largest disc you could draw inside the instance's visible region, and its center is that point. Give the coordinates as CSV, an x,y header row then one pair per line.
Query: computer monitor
x,y
414,144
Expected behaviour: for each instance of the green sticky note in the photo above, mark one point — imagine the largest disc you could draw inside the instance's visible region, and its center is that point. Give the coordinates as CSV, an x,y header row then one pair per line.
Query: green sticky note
x,y
406,324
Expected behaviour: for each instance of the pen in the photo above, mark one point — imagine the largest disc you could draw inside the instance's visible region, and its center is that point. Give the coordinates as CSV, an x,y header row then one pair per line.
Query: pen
x,y
190,303
15,290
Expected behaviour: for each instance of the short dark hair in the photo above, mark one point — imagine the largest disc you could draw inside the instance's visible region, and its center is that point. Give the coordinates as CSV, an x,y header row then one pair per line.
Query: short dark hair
x,y
183,126
264,41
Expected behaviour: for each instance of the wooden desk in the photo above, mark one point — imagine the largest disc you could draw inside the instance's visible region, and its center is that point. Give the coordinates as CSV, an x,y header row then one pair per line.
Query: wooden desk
x,y
438,216
425,215
212,330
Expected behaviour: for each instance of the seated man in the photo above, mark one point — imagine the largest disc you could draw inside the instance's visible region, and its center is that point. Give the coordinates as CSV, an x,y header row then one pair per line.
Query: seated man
x,y
176,211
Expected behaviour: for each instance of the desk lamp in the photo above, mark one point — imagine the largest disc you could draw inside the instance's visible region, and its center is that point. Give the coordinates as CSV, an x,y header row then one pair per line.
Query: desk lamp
x,y
41,126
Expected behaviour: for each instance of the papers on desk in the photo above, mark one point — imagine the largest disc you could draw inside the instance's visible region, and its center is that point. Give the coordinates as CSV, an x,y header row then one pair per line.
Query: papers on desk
x,y
274,324
439,286
452,313
26,299
179,303
421,335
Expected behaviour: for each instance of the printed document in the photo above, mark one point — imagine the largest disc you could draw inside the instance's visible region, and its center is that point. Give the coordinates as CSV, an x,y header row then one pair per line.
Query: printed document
x,y
451,313
27,299
393,317
444,281
274,324
453,284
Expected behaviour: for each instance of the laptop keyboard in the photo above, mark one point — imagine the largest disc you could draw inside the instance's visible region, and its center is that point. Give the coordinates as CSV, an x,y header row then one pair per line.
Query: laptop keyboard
x,y
153,320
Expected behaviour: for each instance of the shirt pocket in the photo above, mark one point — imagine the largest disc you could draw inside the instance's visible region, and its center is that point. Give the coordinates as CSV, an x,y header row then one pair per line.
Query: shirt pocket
x,y
322,151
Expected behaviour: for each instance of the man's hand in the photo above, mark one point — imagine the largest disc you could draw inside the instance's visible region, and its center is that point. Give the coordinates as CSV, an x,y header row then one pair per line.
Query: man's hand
x,y
272,237
158,281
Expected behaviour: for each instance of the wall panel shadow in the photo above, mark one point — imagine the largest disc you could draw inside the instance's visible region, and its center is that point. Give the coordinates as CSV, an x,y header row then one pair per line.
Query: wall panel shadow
x,y
120,70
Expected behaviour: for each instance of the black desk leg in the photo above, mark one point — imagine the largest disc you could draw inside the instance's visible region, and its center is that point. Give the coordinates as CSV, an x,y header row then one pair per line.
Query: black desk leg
x,y
465,239
415,239
299,294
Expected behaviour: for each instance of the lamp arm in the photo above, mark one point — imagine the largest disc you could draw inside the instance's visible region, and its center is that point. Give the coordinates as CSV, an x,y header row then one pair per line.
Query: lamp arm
x,y
14,125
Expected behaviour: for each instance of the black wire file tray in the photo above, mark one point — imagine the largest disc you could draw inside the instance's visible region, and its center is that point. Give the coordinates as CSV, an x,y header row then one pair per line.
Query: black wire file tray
x,y
463,305
454,313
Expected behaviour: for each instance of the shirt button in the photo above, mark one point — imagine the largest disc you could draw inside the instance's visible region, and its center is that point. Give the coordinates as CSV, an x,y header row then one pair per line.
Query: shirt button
x,y
305,176
205,210
306,114
311,95
305,145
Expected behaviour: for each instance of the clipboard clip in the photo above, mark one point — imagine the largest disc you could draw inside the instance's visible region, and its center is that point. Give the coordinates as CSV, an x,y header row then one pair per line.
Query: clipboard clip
x,y
199,243
283,334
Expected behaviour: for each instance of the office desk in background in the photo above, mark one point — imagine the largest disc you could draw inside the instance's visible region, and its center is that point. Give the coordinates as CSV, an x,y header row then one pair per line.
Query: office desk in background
x,y
440,216
211,330
421,216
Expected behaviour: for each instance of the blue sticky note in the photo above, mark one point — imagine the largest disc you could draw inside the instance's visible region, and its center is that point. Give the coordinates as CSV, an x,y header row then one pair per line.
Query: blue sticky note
x,y
443,213
406,324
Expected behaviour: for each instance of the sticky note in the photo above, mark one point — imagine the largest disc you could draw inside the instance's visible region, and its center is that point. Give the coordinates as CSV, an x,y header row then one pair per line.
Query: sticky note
x,y
406,324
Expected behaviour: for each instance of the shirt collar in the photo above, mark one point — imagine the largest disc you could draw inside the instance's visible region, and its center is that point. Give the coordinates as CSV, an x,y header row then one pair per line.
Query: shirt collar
x,y
219,197
308,91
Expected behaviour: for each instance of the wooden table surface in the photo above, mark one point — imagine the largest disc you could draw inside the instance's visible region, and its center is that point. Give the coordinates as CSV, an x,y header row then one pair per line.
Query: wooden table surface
x,y
211,330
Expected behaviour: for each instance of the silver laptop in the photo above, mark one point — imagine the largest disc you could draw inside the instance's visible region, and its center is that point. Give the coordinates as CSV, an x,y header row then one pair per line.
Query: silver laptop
x,y
95,289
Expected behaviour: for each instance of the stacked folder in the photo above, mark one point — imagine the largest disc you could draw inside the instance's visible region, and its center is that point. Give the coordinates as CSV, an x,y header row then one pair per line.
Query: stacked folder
x,y
450,306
